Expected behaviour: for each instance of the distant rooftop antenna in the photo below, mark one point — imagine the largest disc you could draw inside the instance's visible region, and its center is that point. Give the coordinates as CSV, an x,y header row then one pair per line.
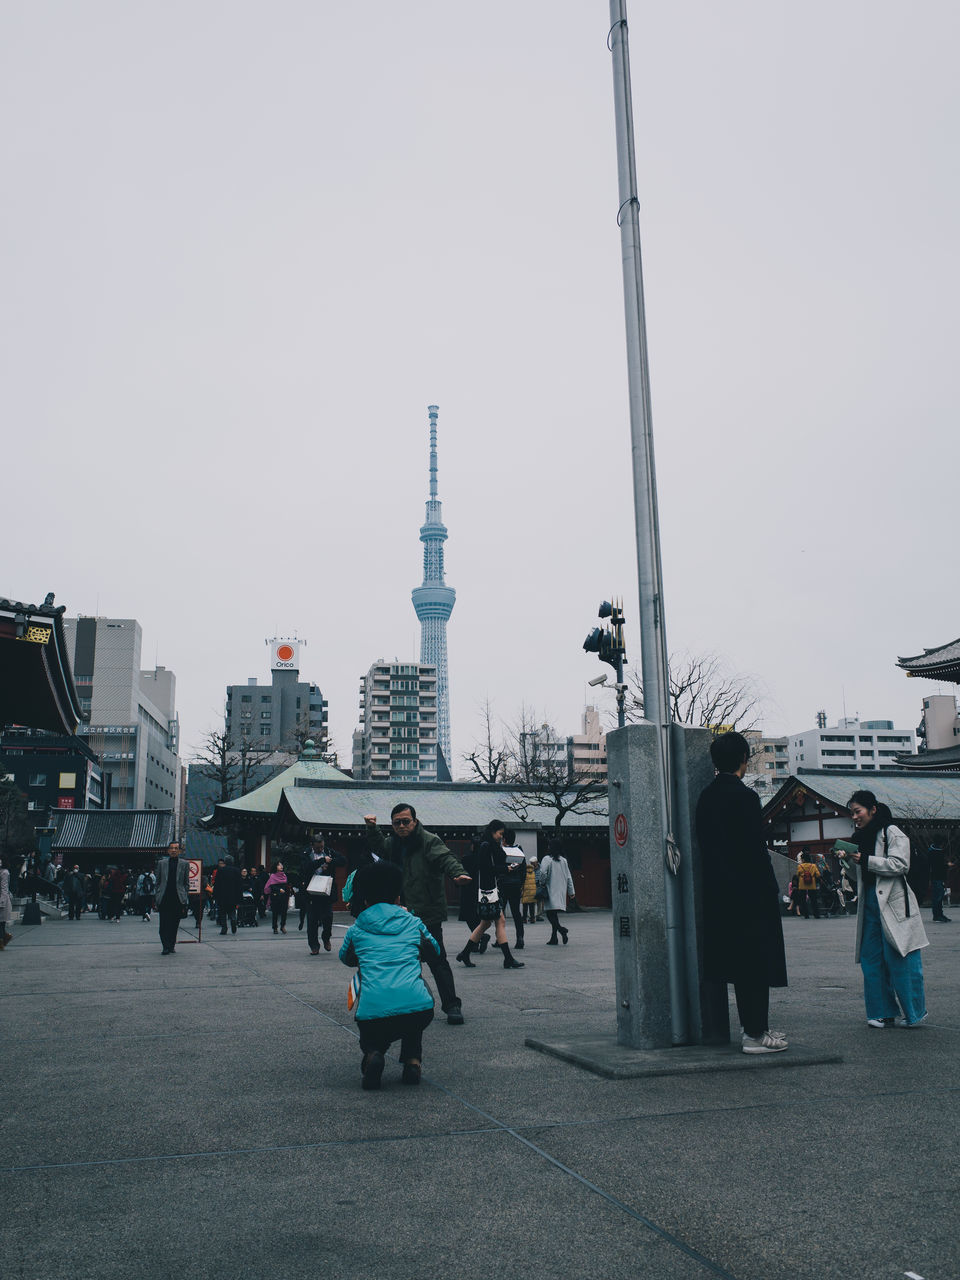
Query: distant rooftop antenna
x,y
821,719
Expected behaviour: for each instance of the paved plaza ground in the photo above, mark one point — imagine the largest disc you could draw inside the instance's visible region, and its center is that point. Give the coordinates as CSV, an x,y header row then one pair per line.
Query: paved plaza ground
x,y
201,1114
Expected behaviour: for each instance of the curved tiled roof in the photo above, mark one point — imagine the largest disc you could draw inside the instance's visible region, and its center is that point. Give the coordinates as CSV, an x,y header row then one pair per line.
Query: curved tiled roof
x,y
103,829
36,683
942,663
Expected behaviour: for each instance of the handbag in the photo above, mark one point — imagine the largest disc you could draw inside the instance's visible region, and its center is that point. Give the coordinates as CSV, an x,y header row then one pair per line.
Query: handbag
x,y
488,904
320,884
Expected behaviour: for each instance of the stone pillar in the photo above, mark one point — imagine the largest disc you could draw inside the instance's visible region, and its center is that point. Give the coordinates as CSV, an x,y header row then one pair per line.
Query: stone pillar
x,y
638,871
639,903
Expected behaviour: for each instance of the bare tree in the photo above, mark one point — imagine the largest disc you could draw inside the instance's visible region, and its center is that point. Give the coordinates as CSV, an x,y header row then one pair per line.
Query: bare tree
x,y
704,693
217,761
489,758
232,764
544,777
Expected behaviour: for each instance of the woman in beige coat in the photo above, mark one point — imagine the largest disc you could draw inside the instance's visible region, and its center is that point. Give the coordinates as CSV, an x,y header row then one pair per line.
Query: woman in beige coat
x,y
890,933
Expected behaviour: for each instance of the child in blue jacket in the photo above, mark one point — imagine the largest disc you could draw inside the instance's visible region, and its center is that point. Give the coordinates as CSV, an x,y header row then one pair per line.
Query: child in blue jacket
x,y
387,943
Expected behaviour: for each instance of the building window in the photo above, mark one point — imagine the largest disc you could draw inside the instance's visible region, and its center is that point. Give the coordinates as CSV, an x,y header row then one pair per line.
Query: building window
x,y
265,731
266,697
38,780
245,697
264,715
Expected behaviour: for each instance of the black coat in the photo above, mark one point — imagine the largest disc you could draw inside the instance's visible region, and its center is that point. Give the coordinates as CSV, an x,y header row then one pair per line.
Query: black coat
x,y
742,932
228,886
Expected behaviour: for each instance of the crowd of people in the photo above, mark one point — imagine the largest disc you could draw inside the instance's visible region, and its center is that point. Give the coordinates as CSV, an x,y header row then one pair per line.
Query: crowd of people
x,y
397,897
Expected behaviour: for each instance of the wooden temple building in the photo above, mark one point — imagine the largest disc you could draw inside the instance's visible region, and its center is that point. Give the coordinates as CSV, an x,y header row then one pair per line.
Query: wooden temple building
x,y
313,798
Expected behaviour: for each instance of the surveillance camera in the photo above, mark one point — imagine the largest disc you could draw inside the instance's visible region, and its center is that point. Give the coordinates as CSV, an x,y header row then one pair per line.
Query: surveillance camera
x,y
598,680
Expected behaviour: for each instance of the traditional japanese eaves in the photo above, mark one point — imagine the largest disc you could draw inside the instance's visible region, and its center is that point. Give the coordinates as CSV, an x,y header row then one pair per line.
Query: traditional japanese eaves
x,y
942,759
36,684
112,830
467,806
935,664
910,795
315,795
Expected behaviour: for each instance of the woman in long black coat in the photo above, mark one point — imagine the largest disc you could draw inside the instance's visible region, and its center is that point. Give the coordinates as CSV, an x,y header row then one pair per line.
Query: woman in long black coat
x,y
742,932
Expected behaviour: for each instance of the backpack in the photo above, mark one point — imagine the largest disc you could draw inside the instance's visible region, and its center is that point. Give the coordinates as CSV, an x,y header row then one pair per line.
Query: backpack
x,y
807,878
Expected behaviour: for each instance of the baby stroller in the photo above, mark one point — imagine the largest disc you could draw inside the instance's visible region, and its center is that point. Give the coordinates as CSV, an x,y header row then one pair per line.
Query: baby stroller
x,y
247,911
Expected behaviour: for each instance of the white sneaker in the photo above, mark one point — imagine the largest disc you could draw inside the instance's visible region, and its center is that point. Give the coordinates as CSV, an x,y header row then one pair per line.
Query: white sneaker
x,y
774,1035
881,1023
763,1044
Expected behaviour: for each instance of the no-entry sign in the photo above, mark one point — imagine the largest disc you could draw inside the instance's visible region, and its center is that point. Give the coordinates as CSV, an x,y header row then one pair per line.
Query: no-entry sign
x,y
620,830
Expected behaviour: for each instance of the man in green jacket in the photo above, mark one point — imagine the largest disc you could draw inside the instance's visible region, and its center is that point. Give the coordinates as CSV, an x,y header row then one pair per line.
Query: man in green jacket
x,y
424,860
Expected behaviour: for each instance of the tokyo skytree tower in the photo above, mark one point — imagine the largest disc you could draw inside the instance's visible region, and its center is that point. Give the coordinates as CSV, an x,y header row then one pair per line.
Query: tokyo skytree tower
x,y
434,600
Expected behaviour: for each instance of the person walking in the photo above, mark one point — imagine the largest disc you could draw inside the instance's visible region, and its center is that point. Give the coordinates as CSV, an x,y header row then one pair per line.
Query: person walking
x,y
512,881
890,933
742,931
491,866
808,878
937,856
117,887
73,887
424,861
277,892
146,888
227,892
6,907
387,944
528,895
558,883
173,886
318,860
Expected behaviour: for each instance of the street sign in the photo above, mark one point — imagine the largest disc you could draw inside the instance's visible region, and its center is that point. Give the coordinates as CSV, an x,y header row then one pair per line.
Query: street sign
x,y
196,869
620,830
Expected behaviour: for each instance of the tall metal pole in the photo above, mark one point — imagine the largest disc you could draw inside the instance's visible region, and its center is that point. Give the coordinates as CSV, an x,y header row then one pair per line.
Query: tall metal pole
x,y
653,644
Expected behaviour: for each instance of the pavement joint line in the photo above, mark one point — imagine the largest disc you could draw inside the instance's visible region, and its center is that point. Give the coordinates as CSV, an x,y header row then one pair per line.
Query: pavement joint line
x,y
672,1240
665,1235
229,1152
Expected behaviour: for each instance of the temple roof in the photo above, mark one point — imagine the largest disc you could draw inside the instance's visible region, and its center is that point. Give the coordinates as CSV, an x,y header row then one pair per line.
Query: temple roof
x,y
264,801
943,758
910,795
942,663
36,683
112,830
320,796
468,805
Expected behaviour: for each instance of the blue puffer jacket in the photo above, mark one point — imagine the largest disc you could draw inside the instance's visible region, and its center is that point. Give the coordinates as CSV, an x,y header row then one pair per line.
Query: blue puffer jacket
x,y
385,943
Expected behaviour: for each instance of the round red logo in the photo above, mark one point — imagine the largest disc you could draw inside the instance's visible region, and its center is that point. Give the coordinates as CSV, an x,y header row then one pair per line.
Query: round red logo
x,y
284,652
620,831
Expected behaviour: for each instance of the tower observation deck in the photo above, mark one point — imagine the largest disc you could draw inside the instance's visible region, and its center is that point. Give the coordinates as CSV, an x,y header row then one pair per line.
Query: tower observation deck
x,y
434,600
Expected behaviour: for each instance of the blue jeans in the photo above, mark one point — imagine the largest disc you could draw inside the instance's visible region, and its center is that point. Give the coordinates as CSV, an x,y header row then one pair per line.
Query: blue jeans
x,y
888,976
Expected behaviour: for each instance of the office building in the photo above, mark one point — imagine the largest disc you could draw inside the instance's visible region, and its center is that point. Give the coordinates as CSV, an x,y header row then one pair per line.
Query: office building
x,y
587,750
132,723
281,715
850,746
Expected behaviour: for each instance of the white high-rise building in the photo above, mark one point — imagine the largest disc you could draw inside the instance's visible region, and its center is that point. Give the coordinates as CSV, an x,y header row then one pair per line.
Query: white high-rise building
x,y
396,740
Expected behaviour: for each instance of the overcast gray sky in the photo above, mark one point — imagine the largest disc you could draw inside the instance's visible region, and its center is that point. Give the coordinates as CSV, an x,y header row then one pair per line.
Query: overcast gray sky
x,y
244,245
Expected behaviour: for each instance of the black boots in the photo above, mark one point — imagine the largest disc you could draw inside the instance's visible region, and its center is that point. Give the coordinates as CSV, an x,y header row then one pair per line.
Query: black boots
x,y
464,955
563,935
508,960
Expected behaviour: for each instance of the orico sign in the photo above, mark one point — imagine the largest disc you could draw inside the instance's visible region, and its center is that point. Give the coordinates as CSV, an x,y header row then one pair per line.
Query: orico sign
x,y
285,657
